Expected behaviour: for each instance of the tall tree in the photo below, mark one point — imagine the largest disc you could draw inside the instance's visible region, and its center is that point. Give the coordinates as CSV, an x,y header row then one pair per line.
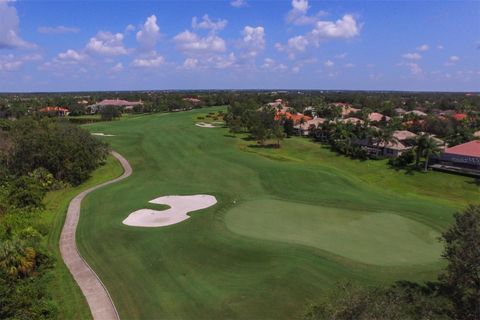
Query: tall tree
x,y
462,251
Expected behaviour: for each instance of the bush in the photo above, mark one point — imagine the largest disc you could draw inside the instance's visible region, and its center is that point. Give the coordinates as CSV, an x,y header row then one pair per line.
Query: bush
x,y
24,192
403,160
109,113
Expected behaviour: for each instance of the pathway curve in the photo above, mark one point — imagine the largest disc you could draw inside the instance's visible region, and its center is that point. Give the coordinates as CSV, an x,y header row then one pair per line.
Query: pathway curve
x,y
98,298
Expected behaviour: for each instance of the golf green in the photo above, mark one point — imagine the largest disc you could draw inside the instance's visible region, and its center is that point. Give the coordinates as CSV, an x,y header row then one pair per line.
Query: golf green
x,y
379,238
228,261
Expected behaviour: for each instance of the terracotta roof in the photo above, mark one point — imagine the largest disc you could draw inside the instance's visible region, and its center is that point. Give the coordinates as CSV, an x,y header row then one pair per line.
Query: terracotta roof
x,y
403,135
295,117
469,149
375,116
53,109
315,122
459,116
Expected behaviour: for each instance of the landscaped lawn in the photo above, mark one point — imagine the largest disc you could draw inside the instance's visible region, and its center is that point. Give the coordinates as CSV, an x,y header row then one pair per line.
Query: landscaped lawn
x,y
288,224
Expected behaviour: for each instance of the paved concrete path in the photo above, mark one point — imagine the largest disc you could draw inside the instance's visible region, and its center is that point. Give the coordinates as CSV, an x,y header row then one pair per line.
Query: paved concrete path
x,y
98,298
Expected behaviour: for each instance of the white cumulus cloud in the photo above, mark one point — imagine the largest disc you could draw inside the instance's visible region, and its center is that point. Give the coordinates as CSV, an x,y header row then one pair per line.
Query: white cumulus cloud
x,y
9,28
344,28
71,55
149,34
253,40
151,61
190,43
207,23
107,43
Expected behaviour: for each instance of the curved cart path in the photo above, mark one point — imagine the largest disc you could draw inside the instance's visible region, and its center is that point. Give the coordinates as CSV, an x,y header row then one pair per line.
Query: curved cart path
x,y
98,298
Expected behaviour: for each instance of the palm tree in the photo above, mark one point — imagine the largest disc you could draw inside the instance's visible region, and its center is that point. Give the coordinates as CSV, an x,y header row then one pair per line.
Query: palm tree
x,y
430,148
17,260
425,145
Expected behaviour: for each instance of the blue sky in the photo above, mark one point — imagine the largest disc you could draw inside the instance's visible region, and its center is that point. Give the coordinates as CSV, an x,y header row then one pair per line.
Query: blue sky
x,y
299,44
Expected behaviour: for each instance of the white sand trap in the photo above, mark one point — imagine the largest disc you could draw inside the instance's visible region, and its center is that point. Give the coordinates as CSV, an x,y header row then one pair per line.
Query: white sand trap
x,y
179,207
205,125
102,134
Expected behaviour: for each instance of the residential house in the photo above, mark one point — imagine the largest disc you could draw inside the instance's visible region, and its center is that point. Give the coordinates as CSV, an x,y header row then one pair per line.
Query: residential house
x,y
377,117
418,113
94,108
400,111
463,158
57,111
402,141
306,128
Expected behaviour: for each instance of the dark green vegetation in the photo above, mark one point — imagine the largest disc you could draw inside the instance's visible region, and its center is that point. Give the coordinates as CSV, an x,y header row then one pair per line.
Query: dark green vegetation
x,y
455,295
39,158
350,138
201,269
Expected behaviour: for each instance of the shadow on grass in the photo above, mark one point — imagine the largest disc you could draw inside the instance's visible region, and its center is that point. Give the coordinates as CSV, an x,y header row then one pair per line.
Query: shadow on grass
x,y
265,146
475,181
406,169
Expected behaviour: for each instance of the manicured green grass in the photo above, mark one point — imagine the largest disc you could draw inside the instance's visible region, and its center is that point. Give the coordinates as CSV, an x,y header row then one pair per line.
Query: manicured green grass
x,y
200,269
70,300
379,238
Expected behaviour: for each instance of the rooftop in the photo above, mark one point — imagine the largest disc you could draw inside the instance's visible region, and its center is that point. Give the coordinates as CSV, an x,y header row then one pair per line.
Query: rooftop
x,y
469,149
119,103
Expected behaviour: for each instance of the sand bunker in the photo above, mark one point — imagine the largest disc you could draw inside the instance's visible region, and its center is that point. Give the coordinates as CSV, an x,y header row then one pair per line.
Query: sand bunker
x,y
102,134
205,125
179,207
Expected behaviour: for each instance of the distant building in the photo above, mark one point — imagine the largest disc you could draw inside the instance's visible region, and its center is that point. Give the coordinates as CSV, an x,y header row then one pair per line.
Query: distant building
x,y
459,116
57,111
352,120
297,118
463,158
377,117
193,101
124,104
346,108
418,113
306,128
402,141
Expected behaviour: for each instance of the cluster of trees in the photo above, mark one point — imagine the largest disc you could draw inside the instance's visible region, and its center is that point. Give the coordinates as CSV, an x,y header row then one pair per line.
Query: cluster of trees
x,y
345,137
455,295
260,123
17,105
36,156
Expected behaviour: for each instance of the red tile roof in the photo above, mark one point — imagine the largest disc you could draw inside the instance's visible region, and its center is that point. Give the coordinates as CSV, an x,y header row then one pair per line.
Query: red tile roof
x,y
53,109
295,117
459,116
469,149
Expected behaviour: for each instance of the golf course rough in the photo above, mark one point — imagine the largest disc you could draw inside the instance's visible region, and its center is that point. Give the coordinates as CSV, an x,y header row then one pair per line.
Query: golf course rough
x,y
289,223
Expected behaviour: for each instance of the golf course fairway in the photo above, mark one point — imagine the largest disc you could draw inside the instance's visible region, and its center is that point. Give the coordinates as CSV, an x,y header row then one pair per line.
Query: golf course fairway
x,y
288,224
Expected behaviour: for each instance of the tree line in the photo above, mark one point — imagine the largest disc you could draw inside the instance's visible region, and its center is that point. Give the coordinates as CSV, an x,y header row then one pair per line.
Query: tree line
x,y
36,156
